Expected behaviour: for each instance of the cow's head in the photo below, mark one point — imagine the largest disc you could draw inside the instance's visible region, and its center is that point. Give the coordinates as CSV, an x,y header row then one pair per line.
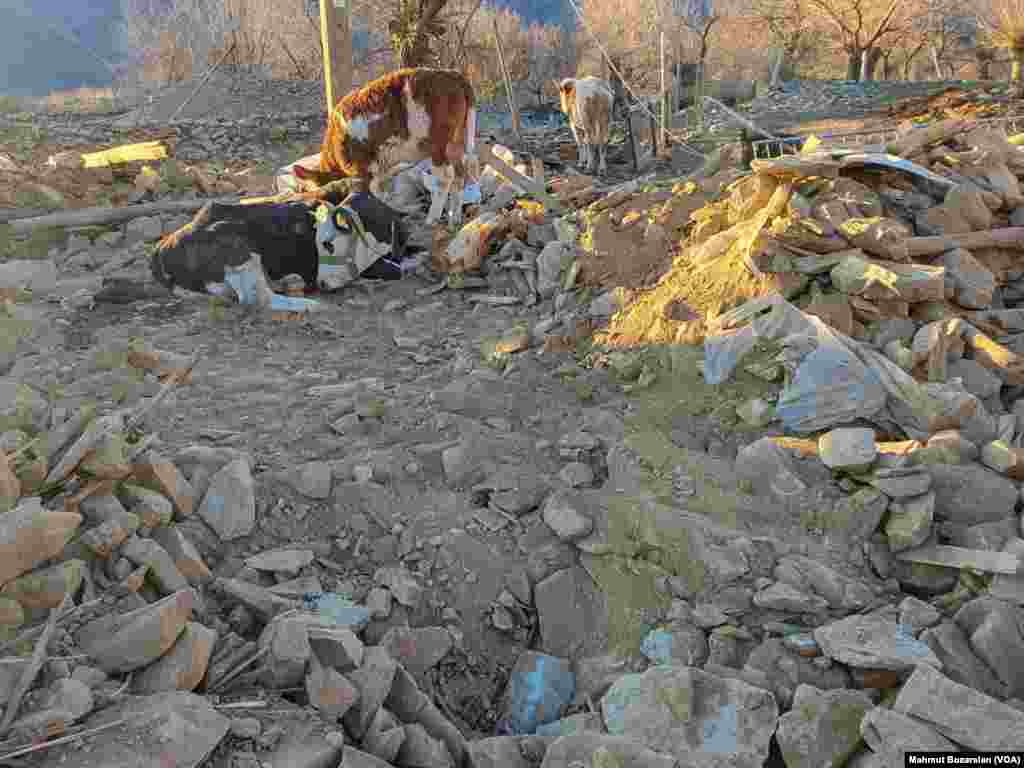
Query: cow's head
x,y
342,241
567,94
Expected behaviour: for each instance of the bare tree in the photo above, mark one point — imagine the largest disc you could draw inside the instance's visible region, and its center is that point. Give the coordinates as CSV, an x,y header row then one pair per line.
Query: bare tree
x,y
790,25
862,28
547,59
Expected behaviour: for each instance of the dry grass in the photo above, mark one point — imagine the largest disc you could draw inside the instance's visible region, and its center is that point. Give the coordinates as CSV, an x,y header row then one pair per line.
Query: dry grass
x,y
1008,24
81,100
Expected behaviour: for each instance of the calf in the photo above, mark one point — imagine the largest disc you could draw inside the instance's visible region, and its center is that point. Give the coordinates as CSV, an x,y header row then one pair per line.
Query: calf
x,y
587,102
405,116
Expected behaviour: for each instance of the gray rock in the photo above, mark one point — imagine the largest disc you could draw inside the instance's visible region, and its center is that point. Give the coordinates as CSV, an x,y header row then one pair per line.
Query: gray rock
x,y
861,513
286,561
564,512
184,555
788,599
977,379
403,585
373,679
971,494
784,670
417,649
900,483
229,506
598,749
552,260
918,615
576,474
807,574
702,720
260,601
336,647
573,615
994,628
176,726
891,734
162,568
183,666
312,479
849,449
823,728
910,522
963,715
329,691
681,643
769,469
595,675
873,642
125,642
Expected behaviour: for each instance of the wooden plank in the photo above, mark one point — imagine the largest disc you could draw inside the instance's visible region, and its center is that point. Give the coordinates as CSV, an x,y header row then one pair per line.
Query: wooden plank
x,y
532,187
961,557
84,217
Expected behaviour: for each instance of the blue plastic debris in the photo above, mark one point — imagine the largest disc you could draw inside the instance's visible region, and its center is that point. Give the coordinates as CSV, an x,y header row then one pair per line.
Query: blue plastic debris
x,y
541,687
244,284
338,608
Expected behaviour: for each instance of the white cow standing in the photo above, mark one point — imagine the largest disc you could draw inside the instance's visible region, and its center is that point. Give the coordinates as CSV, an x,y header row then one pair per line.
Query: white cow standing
x,y
587,102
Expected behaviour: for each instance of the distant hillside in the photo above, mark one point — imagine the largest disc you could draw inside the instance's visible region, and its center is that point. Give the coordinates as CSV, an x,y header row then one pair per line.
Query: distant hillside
x,y
39,50
45,45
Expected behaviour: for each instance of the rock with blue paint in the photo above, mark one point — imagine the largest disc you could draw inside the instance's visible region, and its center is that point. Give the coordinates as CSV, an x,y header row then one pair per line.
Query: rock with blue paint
x,y
540,688
702,720
681,643
874,641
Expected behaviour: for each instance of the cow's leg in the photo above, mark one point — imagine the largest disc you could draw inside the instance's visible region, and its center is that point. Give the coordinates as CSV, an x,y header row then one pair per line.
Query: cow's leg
x,y
439,195
603,154
455,195
581,147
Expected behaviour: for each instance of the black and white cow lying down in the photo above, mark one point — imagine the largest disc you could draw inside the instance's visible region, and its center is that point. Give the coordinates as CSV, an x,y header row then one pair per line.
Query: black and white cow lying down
x,y
285,237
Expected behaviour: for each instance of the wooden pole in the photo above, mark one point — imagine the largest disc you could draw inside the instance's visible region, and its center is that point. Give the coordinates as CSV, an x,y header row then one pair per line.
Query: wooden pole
x,y
632,139
336,38
664,96
508,83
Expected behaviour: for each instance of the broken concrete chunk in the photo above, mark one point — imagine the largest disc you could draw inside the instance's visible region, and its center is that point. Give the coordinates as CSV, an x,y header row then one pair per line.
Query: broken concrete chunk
x,y
287,561
918,615
681,643
41,591
150,507
162,568
336,647
994,628
417,649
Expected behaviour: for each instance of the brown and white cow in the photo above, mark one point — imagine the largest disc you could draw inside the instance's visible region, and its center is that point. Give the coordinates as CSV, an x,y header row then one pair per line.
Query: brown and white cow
x,y
587,102
402,118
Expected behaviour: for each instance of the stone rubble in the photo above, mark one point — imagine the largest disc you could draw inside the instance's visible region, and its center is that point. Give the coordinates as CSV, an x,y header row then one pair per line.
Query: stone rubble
x,y
737,644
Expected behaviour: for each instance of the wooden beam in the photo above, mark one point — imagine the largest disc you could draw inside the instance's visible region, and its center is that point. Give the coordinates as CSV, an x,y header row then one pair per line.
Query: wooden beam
x,y
961,557
532,187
